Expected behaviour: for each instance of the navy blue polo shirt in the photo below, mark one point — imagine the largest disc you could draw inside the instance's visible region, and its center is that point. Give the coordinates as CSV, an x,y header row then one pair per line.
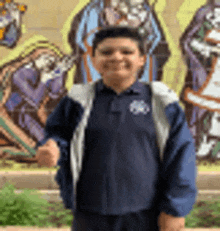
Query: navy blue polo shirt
x,y
120,171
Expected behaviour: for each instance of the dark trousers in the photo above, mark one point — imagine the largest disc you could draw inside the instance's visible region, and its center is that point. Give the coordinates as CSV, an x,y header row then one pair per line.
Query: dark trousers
x,y
145,220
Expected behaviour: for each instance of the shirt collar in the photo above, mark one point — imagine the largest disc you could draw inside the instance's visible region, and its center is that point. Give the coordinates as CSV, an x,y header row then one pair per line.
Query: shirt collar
x,y
136,87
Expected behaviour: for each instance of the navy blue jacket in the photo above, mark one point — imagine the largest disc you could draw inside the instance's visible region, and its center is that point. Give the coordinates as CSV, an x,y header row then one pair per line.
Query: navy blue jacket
x,y
178,181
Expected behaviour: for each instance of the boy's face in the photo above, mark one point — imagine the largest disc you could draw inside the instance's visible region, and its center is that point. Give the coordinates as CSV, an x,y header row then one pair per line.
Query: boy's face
x,y
118,58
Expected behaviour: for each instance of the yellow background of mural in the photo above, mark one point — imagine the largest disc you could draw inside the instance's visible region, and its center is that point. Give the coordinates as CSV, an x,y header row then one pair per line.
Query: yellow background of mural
x,y
51,20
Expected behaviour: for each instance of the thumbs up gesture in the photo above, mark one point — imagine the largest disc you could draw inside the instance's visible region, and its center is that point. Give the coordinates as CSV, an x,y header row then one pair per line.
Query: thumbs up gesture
x,y
48,154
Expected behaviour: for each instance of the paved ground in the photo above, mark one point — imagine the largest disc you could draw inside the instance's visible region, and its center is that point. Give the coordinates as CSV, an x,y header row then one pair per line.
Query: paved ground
x,y
45,180
16,228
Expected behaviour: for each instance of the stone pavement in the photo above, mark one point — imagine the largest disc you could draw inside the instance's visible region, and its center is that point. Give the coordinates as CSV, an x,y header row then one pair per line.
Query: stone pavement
x,y
54,195
45,180
17,228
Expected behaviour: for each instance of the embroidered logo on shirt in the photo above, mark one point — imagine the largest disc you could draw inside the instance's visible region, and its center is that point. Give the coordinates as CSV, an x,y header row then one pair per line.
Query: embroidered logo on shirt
x,y
139,106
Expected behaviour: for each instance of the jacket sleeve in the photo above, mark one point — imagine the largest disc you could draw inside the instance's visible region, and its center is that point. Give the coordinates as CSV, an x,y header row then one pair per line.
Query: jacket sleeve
x,y
61,124
179,169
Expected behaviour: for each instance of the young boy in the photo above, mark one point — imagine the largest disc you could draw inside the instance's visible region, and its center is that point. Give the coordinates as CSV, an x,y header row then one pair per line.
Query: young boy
x,y
126,156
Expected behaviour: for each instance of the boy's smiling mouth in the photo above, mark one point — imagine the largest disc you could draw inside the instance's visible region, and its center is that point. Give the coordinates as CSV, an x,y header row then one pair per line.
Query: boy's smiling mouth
x,y
116,66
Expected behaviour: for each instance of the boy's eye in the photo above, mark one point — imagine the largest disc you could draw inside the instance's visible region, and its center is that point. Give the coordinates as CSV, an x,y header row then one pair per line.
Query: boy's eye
x,y
127,52
110,52
107,52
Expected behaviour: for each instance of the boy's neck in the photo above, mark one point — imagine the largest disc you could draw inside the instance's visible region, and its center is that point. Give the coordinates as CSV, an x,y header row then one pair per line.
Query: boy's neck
x,y
119,86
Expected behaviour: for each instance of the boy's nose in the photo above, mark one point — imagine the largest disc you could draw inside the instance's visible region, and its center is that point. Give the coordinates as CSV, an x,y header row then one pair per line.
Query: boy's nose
x,y
117,55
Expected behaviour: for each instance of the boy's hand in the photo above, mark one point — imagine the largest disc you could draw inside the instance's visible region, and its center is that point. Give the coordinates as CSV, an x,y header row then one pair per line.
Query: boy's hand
x,y
167,222
48,154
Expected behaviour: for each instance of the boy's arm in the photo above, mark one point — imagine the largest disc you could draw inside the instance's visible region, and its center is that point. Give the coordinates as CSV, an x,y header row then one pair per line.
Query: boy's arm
x,y
61,124
179,169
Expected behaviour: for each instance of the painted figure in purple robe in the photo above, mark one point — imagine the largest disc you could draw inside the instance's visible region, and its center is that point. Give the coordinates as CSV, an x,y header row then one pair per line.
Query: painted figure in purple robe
x,y
30,84
200,45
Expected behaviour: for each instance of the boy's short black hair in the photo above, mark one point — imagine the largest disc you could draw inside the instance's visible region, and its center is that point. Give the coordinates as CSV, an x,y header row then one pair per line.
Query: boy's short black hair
x,y
119,31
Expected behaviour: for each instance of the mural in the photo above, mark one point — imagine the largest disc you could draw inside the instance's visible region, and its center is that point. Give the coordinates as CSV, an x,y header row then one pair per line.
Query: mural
x,y
10,22
183,41
32,84
99,13
201,93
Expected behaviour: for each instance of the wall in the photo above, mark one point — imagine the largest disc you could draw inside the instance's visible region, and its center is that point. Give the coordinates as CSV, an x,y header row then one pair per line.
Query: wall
x,y
45,45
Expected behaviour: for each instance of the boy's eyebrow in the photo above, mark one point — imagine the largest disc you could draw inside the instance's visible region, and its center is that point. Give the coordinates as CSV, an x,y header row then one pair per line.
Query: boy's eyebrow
x,y
112,48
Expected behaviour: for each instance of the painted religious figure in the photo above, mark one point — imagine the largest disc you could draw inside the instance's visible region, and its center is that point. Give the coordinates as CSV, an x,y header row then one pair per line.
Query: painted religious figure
x,y
33,85
201,94
10,22
99,13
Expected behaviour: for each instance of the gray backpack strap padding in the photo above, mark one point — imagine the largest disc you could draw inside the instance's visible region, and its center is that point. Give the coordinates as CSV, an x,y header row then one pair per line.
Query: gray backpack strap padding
x,y
83,94
161,97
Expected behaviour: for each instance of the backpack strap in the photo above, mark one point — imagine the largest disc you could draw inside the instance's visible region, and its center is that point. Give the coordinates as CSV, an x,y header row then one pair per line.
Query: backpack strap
x,y
83,94
162,96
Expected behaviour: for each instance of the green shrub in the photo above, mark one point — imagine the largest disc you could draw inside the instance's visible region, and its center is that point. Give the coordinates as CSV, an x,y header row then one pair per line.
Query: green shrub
x,y
204,214
26,208
58,215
